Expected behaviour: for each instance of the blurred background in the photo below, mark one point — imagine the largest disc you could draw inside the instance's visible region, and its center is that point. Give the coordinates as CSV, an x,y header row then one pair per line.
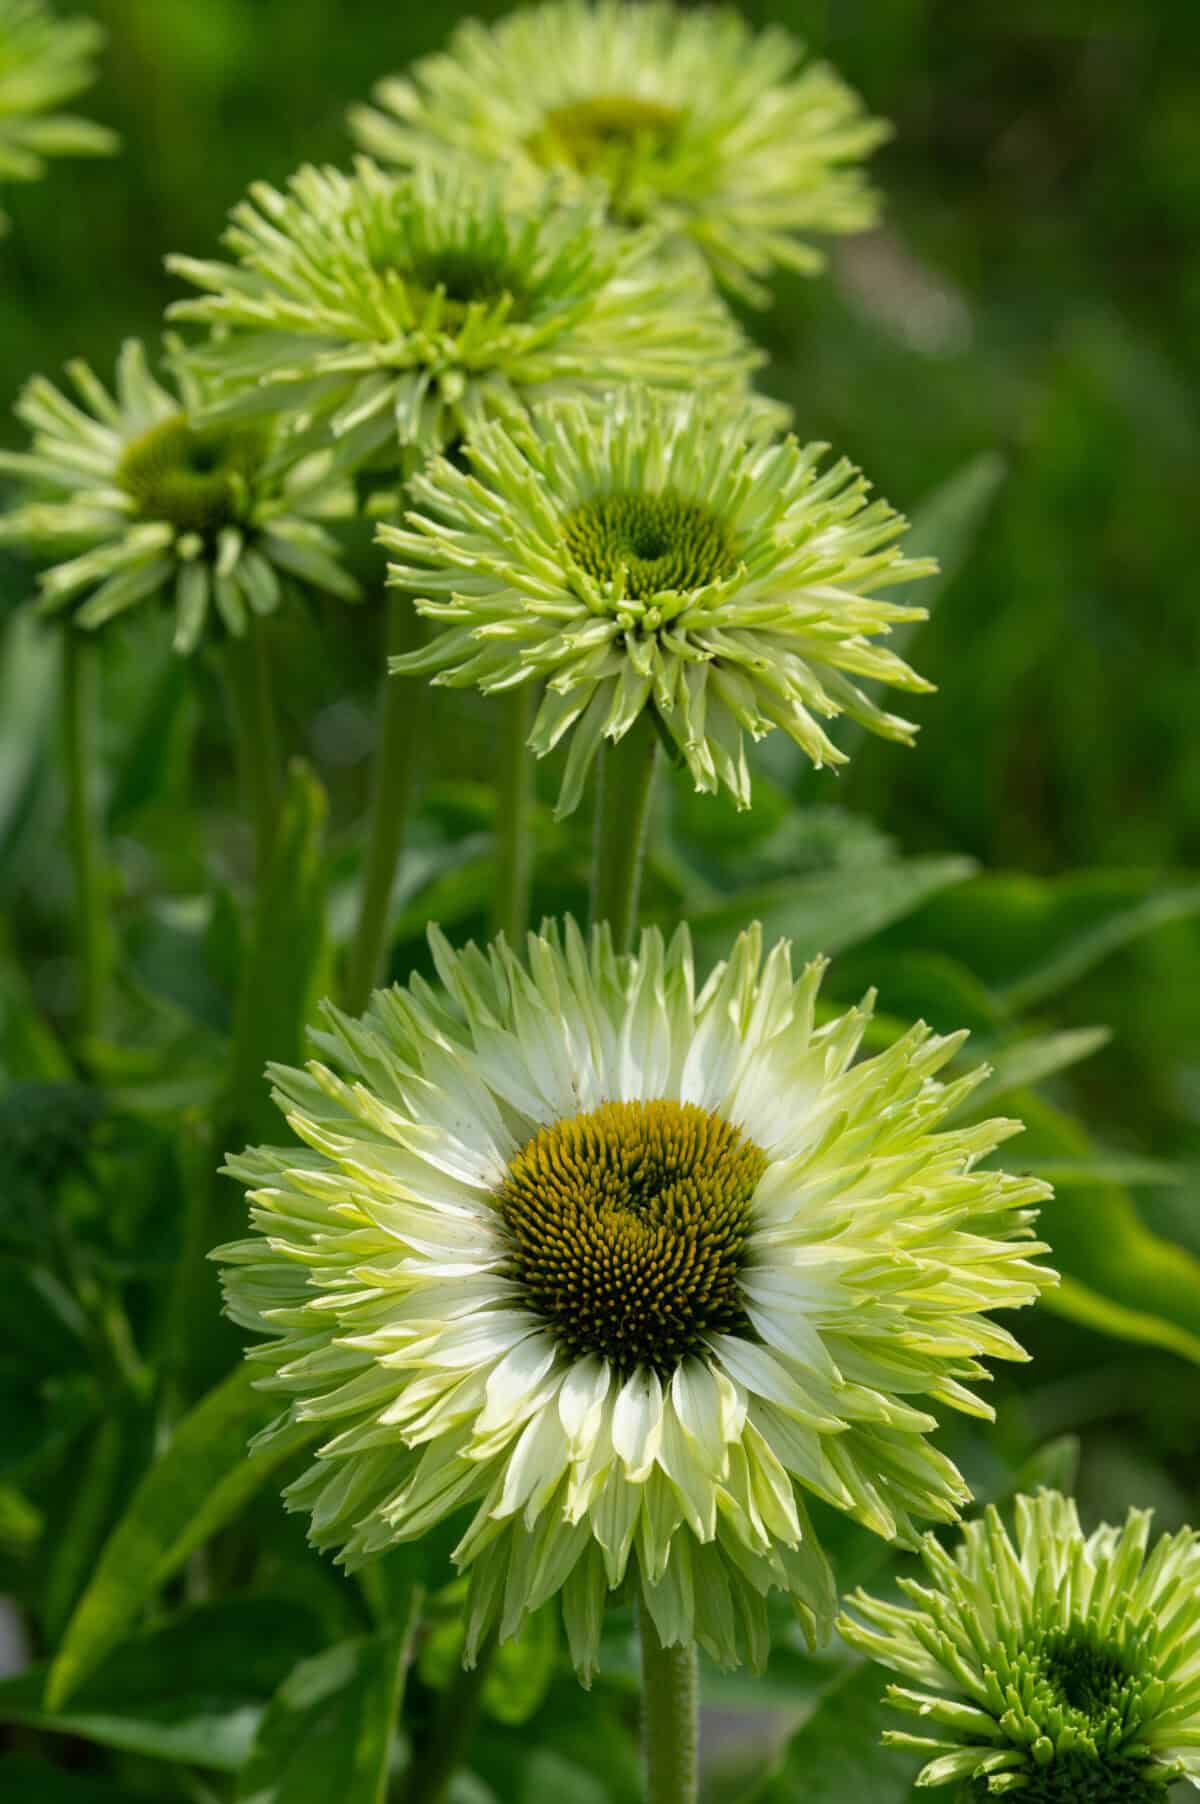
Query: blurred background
x,y
1026,323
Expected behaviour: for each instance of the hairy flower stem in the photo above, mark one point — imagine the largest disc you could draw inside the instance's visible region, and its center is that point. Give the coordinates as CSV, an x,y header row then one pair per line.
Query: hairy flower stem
x,y
453,1732
514,807
624,792
670,1719
81,763
402,717
256,734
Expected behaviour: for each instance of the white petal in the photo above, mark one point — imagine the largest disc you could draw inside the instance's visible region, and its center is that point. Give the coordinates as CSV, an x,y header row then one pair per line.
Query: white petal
x,y
637,1422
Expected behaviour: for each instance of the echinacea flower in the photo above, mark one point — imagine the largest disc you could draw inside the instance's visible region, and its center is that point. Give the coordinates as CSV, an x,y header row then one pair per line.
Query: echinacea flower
x,y
394,313
1062,1668
44,61
659,555
627,1271
726,139
133,501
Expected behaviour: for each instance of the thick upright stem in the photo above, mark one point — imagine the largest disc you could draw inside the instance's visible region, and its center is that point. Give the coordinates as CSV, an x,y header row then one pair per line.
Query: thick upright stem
x,y
624,791
401,719
93,934
670,1719
453,1732
256,733
514,809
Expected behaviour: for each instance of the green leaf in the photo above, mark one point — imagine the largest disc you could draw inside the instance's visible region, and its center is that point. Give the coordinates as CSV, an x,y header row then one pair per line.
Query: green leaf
x,y
827,912
201,1482
288,966
193,1691
1104,1168
946,524
1033,1060
158,749
836,1757
328,1732
20,1522
1118,1276
1029,937
520,1671
28,659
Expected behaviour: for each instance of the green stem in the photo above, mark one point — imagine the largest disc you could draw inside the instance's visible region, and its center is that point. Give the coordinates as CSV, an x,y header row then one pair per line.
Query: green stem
x,y
624,792
81,759
453,1732
514,809
402,705
670,1719
256,732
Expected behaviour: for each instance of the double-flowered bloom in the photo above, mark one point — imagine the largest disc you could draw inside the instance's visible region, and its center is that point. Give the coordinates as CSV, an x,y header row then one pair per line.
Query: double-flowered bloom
x,y
393,314
44,61
665,557
1058,1667
727,140
625,1271
130,499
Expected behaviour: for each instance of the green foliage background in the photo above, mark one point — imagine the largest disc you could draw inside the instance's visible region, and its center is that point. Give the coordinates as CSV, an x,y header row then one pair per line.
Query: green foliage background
x,y
1021,342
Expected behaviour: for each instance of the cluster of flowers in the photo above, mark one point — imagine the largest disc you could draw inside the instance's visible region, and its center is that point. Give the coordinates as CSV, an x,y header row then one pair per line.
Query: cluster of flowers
x,y
629,1267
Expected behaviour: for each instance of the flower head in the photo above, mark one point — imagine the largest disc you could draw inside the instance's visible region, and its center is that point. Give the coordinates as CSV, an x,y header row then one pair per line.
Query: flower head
x,y
1063,1668
408,312
724,138
624,1271
134,500
44,61
660,555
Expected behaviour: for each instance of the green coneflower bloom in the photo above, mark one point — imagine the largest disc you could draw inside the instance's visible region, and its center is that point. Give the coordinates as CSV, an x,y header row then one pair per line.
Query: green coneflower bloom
x,y
135,501
723,137
44,61
1061,1667
659,554
629,1270
408,312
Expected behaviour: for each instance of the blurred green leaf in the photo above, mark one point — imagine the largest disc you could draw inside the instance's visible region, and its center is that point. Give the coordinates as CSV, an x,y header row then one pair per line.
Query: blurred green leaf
x,y
1029,937
823,914
1054,1466
836,1757
288,962
20,1521
28,689
1104,1168
158,745
29,1047
202,1481
946,524
1118,1276
328,1732
1032,1060
192,1691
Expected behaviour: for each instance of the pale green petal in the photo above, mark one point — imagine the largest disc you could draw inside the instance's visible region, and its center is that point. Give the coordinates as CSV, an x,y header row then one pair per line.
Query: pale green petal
x,y
384,1271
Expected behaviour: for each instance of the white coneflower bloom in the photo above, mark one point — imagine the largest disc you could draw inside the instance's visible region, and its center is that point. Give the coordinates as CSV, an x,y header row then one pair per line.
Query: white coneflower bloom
x,y
391,313
44,61
662,556
133,501
725,138
1062,1668
629,1271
